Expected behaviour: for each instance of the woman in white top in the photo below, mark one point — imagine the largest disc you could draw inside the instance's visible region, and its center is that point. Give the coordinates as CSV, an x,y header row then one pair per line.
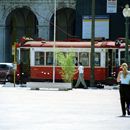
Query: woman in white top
x,y
124,79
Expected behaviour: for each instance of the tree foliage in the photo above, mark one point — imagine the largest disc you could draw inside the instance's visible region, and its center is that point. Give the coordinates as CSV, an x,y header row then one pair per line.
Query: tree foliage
x,y
66,61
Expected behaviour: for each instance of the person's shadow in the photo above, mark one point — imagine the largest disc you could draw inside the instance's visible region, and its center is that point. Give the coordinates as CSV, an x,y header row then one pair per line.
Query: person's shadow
x,y
124,116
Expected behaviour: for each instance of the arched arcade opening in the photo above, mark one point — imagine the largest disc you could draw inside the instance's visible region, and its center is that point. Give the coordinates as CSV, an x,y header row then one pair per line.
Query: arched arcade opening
x,y
65,24
20,22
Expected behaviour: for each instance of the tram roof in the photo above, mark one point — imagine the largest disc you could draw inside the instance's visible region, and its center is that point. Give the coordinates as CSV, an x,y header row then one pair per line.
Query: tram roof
x,y
63,44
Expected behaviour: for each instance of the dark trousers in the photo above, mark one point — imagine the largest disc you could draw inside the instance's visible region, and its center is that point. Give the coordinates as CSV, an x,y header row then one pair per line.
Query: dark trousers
x,y
124,97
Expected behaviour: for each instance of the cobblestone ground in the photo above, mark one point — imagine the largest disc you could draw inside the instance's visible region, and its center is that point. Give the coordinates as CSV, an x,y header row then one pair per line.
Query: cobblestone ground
x,y
77,109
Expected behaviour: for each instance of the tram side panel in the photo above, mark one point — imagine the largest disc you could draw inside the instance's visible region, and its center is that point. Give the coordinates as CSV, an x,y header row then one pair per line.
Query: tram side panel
x,y
40,70
44,72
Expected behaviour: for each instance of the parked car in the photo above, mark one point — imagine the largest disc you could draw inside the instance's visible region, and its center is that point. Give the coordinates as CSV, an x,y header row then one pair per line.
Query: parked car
x,y
6,72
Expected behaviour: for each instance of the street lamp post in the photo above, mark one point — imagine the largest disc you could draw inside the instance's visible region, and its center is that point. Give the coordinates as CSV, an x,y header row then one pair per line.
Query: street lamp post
x,y
126,14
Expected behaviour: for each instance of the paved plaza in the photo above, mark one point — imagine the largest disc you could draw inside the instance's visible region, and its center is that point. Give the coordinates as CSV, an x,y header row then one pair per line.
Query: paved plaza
x,y
76,109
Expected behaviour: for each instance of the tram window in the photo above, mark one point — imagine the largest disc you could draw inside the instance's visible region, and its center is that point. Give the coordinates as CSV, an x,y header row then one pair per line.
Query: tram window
x,y
25,56
65,54
97,59
49,58
39,58
76,59
17,57
84,58
106,59
122,57
114,59
58,54
129,57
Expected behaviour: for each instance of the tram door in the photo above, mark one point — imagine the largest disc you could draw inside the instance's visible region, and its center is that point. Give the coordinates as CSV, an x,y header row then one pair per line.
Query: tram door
x,y
110,62
25,62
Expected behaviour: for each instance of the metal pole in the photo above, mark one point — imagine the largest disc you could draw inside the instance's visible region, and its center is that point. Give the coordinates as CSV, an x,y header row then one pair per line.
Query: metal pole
x,y
4,46
92,81
126,40
54,41
14,63
126,14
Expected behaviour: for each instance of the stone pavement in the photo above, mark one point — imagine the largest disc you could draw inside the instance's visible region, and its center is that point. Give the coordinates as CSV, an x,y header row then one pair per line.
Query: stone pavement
x,y
77,109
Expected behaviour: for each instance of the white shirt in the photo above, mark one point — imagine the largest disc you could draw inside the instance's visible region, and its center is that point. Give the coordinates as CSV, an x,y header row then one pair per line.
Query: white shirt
x,y
81,69
125,80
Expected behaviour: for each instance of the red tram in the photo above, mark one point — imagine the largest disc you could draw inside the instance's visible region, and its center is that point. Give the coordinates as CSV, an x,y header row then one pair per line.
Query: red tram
x,y
37,58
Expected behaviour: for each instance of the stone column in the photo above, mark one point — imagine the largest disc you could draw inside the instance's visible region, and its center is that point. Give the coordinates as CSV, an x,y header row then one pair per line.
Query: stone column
x,y
43,31
2,43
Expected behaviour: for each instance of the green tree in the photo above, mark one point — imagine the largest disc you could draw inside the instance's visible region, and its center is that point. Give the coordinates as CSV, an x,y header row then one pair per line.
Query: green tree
x,y
66,61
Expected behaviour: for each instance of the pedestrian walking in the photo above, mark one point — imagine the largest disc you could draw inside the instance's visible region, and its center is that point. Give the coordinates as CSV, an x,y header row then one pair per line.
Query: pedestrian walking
x,y
81,76
124,79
